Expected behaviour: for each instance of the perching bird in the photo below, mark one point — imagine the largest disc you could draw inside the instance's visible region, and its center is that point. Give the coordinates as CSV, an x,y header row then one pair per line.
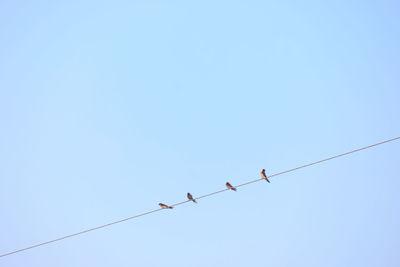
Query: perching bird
x,y
190,197
230,186
165,206
264,176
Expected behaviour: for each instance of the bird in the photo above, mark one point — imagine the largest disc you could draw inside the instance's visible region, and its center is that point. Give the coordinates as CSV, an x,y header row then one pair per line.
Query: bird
x,y
264,176
230,186
190,197
165,206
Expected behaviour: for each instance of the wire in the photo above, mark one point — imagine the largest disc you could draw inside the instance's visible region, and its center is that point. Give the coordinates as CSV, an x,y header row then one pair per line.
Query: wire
x,y
203,196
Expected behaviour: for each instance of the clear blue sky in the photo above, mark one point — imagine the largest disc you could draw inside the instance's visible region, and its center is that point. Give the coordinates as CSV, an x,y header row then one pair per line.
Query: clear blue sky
x,y
109,107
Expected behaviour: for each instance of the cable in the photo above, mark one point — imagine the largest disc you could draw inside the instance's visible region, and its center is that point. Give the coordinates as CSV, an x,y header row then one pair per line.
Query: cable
x,y
203,196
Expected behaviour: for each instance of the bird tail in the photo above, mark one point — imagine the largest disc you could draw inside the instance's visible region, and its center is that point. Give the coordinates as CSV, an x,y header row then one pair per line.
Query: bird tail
x,y
267,179
194,200
233,188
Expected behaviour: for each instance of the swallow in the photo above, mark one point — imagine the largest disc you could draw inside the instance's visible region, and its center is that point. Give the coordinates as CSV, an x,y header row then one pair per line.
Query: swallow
x,y
165,206
264,176
190,197
230,186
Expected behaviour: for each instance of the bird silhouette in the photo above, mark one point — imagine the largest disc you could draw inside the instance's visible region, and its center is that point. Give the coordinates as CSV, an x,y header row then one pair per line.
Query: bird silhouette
x,y
230,186
190,197
165,206
264,176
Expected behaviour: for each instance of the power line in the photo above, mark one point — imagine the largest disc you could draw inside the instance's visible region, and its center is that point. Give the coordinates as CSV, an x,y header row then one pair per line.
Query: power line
x,y
203,196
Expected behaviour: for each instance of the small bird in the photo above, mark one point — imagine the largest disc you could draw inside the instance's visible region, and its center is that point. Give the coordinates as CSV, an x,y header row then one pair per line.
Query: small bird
x,y
165,206
230,186
190,197
264,176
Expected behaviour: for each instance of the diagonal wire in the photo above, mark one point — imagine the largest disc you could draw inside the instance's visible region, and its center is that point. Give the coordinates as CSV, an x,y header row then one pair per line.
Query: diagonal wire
x,y
203,196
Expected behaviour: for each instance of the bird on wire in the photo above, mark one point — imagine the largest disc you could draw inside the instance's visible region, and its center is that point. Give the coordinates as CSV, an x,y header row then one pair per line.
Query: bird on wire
x,y
190,197
264,176
165,206
230,186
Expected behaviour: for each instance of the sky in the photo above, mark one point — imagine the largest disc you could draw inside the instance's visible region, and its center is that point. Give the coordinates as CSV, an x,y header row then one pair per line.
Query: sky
x,y
110,107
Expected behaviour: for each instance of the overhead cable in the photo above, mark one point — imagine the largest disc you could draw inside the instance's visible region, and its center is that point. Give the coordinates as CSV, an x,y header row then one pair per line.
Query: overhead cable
x,y
200,197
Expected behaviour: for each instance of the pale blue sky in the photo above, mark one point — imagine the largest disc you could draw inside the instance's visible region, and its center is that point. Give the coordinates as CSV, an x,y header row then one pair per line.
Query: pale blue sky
x,y
109,107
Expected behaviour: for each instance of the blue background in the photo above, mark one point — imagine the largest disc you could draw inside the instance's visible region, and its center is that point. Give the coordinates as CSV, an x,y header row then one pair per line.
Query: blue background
x,y
109,107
